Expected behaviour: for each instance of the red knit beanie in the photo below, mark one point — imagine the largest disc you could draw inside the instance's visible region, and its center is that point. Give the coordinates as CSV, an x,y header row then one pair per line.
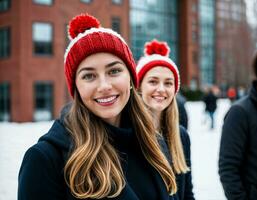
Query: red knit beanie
x,y
87,38
156,54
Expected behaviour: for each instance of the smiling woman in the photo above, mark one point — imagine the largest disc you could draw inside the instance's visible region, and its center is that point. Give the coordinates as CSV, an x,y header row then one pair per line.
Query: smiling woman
x,y
159,83
103,146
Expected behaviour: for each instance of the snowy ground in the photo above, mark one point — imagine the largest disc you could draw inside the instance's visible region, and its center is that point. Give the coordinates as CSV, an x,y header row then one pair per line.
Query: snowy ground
x,y
16,138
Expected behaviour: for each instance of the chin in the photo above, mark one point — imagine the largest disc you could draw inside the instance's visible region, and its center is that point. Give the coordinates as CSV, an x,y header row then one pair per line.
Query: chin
x,y
108,115
159,108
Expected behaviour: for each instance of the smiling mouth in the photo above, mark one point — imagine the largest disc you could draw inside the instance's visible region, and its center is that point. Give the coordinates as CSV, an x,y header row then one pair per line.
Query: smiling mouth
x,y
159,98
107,100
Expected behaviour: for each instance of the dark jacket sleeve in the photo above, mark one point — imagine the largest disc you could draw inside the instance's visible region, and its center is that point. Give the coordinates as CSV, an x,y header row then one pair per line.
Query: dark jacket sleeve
x,y
39,178
188,193
232,150
183,118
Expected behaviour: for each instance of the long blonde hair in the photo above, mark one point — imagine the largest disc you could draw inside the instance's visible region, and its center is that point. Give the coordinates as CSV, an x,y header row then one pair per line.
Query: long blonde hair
x,y
170,130
93,169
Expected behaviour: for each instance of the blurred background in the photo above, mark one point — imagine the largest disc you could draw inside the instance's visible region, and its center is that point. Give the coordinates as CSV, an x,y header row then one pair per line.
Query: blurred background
x,y
212,42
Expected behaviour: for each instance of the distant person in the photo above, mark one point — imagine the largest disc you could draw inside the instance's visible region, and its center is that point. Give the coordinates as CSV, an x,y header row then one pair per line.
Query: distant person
x,y
240,92
231,94
183,116
159,83
238,147
104,146
210,100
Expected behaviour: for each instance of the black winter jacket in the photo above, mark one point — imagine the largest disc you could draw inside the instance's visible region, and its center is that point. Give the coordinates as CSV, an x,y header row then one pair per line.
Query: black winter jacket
x,y
41,174
184,181
238,149
183,117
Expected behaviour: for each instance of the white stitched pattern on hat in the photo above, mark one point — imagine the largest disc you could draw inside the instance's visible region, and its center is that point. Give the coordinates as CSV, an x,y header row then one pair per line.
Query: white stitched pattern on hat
x,y
90,31
147,59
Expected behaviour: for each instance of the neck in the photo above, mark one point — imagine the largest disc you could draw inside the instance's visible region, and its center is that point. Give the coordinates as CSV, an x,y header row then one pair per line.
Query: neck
x,y
156,119
115,121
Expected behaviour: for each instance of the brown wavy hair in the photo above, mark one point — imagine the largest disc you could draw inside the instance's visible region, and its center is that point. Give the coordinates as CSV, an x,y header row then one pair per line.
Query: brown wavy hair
x,y
93,169
170,130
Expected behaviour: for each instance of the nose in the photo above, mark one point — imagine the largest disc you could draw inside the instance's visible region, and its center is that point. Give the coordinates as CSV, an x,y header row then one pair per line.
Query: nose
x,y
104,84
160,87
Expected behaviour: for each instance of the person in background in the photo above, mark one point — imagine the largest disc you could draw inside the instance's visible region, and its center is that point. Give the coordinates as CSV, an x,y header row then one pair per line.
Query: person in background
x,y
159,83
231,94
210,100
240,92
104,146
238,152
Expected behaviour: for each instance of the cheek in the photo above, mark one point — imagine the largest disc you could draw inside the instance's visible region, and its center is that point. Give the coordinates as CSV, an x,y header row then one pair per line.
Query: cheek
x,y
146,95
85,92
172,92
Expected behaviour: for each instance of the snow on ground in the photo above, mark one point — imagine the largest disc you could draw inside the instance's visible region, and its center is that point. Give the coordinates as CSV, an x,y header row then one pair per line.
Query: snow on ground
x,y
205,149
15,138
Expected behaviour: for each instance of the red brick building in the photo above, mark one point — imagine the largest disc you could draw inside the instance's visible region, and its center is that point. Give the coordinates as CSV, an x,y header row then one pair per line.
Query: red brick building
x,y
233,44
33,37
189,43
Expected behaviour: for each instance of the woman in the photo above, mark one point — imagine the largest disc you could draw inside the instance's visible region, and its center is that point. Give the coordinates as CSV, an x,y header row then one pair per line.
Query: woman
x,y
159,83
103,146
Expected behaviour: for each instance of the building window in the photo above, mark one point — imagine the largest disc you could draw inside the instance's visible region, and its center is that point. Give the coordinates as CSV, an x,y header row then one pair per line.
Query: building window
x,y
43,2
117,1
116,24
43,93
145,18
5,42
43,38
86,1
5,5
4,101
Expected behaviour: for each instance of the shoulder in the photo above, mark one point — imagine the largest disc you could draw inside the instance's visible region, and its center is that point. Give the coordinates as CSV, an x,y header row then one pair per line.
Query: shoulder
x,y
43,155
239,108
41,174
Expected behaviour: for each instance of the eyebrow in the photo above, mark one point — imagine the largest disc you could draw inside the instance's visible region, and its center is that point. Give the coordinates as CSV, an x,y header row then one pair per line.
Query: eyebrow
x,y
155,77
107,66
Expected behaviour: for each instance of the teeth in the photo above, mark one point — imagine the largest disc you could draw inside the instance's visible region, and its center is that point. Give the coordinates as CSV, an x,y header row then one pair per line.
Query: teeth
x,y
159,98
105,100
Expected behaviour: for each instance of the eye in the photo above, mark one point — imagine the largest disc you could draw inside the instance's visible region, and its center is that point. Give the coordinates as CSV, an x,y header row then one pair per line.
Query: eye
x,y
169,84
88,77
152,82
115,71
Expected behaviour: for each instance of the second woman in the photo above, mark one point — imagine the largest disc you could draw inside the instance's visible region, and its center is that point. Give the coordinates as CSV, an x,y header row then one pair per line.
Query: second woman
x,y
159,83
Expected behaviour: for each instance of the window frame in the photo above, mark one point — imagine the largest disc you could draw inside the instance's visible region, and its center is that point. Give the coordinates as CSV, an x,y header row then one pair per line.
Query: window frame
x,y
47,96
7,43
52,40
6,114
43,4
7,8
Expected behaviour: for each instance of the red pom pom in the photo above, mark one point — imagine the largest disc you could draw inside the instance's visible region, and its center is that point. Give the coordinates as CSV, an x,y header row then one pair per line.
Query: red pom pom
x,y
81,23
156,47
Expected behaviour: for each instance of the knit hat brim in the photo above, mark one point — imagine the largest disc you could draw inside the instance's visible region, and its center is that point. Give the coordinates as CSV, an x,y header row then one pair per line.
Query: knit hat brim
x,y
93,41
148,62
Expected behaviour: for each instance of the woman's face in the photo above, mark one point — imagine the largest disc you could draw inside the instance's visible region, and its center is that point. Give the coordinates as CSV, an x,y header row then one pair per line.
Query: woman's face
x,y
103,82
158,88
